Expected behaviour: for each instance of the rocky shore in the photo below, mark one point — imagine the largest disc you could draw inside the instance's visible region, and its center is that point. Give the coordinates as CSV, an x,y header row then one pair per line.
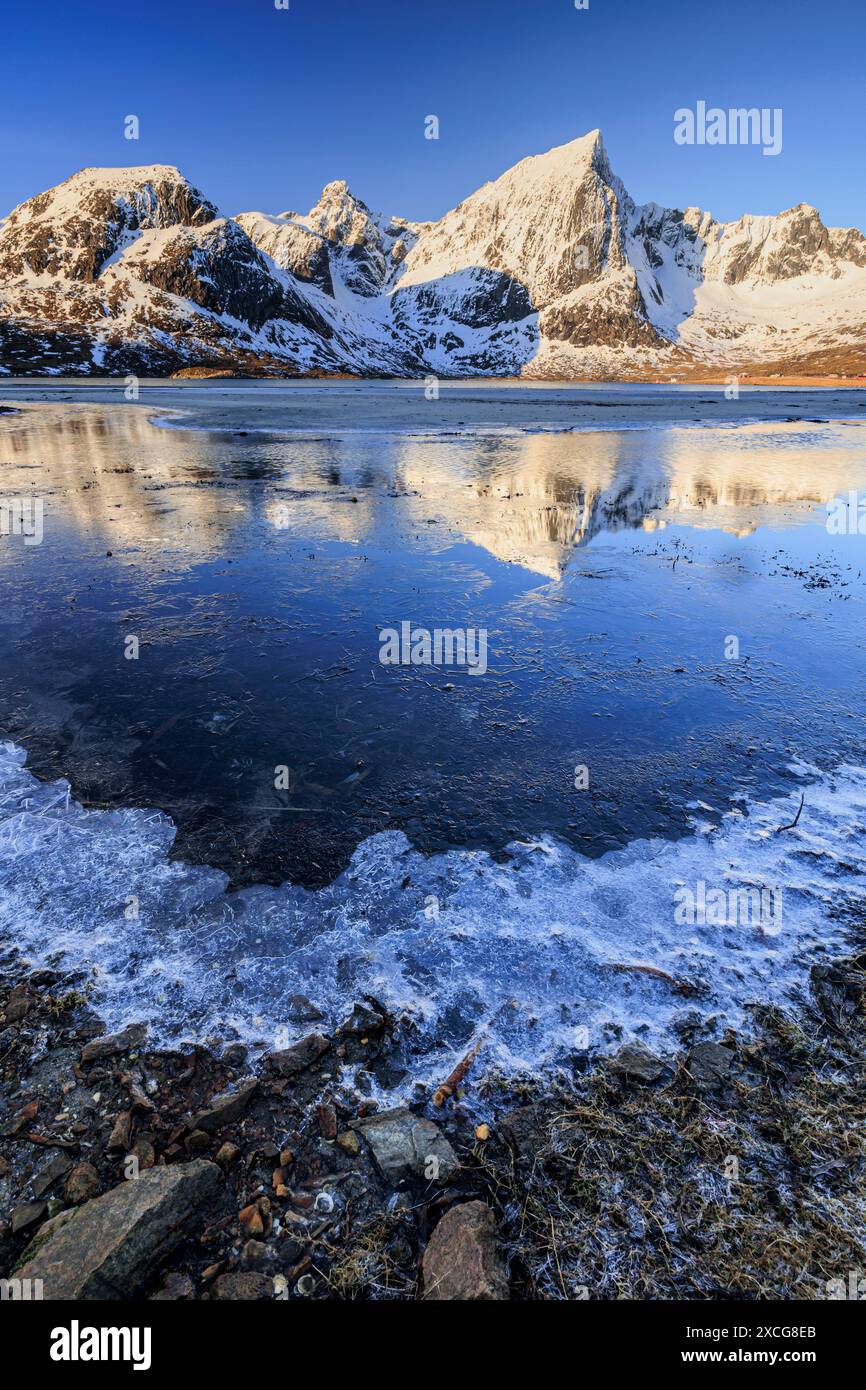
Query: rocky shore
x,y
730,1169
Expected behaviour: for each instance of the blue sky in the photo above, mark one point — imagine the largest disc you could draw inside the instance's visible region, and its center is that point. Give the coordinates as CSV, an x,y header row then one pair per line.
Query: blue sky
x,y
260,107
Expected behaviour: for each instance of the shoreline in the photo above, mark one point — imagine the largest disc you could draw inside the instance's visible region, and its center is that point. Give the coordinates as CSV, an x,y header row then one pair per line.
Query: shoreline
x,y
741,1152
721,378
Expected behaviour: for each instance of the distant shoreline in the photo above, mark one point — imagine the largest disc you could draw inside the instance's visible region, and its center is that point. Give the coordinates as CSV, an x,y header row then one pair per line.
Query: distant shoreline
x,y
722,379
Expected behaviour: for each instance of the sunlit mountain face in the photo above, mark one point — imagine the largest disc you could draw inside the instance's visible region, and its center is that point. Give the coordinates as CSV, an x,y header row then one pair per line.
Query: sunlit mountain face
x,y
549,271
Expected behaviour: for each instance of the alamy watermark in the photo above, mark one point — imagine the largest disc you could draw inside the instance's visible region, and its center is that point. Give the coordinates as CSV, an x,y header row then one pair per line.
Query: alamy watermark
x,y
846,516
21,1290
701,906
22,516
739,125
854,1287
443,646
77,1343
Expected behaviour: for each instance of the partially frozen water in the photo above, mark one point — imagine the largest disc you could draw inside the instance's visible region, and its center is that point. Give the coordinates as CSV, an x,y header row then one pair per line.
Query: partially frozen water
x,y
429,845
535,953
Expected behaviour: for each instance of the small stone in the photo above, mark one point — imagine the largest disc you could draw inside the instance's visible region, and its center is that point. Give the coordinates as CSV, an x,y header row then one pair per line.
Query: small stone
x,y
237,1288
635,1062
51,1173
198,1142
362,1021
226,1155
82,1184
710,1063
327,1116
176,1288
139,1097
121,1133
404,1145
349,1142
301,1056
227,1108
143,1151
482,1133
250,1220
115,1044
25,1117
287,1158
254,1253
27,1214
527,1130
235,1055
300,1009
18,1004
461,1262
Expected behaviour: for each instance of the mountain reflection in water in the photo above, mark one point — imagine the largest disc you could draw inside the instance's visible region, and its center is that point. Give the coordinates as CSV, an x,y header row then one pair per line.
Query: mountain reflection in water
x,y
527,499
257,569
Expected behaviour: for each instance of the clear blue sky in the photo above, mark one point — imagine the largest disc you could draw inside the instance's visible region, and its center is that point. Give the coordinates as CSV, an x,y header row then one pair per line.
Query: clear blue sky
x,y
261,107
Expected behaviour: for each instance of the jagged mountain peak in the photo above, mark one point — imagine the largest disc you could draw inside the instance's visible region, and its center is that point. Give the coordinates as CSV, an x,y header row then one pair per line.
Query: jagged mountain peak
x,y
553,223
125,175
144,183
549,269
74,229
338,191
566,161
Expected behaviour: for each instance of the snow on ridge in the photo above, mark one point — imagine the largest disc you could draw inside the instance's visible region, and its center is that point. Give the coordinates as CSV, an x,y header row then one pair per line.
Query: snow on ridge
x,y
550,263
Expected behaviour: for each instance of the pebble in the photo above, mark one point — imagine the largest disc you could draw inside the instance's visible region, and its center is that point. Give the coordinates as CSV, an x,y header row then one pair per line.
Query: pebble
x,y
81,1184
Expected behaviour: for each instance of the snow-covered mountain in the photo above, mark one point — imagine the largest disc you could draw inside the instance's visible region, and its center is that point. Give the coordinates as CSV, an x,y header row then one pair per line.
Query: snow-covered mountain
x,y
552,270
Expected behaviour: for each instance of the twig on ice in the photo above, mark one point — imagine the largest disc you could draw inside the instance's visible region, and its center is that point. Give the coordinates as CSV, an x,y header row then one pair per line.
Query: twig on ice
x,y
796,818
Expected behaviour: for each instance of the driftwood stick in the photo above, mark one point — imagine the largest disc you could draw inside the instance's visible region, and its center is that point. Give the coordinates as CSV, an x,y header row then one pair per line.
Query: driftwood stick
x,y
793,823
447,1089
682,986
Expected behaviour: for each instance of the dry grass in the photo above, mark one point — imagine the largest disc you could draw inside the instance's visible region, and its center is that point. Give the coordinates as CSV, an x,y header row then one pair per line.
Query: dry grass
x,y
628,1195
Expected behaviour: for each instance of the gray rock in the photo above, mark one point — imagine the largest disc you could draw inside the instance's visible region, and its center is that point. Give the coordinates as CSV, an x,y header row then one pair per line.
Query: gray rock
x,y
300,1056
300,1009
51,1173
461,1261
361,1021
114,1044
227,1108
109,1247
27,1214
405,1145
635,1062
710,1063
